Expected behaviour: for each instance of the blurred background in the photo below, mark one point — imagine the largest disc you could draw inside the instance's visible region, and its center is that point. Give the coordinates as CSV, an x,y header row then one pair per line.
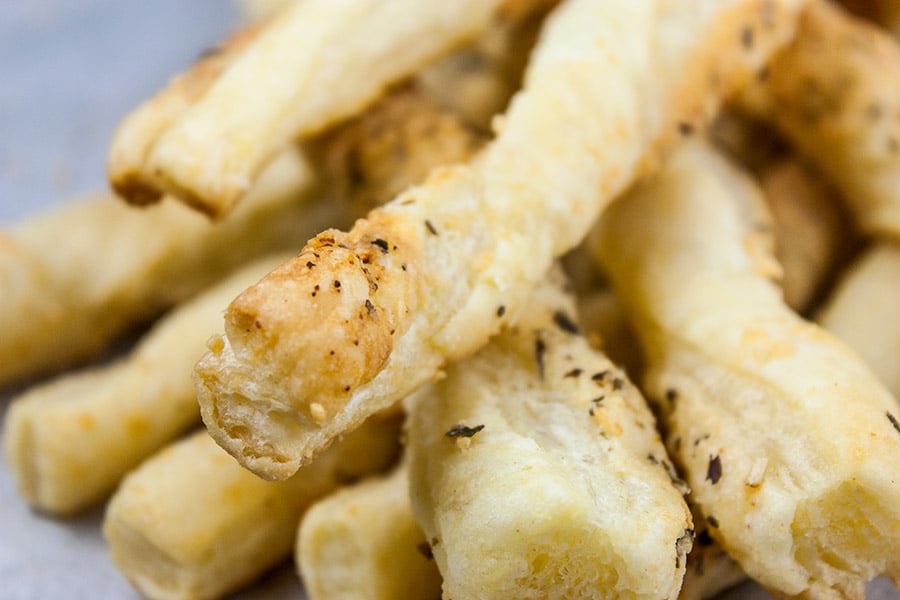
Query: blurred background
x,y
71,70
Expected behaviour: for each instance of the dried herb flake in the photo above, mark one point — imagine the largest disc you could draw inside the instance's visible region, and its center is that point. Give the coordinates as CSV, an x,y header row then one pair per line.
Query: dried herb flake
x,y
564,322
463,431
714,470
540,348
893,421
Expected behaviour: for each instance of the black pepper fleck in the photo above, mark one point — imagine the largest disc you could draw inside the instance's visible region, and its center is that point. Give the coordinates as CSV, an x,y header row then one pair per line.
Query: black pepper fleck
x,y
714,470
310,264
713,522
564,322
600,376
574,373
381,244
539,349
618,383
671,395
430,227
893,421
370,307
464,431
501,310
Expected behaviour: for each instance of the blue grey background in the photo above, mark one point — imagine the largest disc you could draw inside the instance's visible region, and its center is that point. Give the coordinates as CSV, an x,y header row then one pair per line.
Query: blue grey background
x,y
70,70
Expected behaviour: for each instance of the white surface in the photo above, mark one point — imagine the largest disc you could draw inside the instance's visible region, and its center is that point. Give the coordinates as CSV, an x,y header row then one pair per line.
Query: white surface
x,y
71,70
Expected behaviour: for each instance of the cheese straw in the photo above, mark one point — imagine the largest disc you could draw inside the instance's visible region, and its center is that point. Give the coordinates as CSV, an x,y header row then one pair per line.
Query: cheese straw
x,y
70,441
536,471
362,543
359,320
862,311
76,277
190,523
788,441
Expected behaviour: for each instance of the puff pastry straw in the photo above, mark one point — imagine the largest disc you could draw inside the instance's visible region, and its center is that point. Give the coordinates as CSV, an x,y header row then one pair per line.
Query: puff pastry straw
x,y
78,276
536,471
190,523
362,543
69,442
361,319
788,441
862,311
205,138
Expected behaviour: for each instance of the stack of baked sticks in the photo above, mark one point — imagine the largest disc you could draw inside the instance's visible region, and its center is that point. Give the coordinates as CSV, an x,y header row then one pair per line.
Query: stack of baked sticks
x,y
723,163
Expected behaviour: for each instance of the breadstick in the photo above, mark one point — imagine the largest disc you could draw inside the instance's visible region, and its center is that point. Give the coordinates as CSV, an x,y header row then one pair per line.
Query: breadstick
x,y
862,311
787,439
314,63
191,523
133,139
835,94
362,543
70,441
361,319
536,471
73,279
62,465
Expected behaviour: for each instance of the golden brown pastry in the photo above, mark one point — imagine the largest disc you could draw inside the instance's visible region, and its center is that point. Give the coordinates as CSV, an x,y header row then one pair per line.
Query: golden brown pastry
x,y
360,319
76,277
311,65
787,439
834,93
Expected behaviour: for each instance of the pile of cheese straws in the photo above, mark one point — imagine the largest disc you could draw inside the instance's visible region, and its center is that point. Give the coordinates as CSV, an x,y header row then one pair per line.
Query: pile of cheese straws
x,y
705,172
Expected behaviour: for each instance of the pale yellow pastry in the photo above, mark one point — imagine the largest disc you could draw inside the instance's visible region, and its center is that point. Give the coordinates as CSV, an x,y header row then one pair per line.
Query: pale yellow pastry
x,y
190,523
862,311
362,543
311,65
69,442
536,471
786,437
359,320
77,276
